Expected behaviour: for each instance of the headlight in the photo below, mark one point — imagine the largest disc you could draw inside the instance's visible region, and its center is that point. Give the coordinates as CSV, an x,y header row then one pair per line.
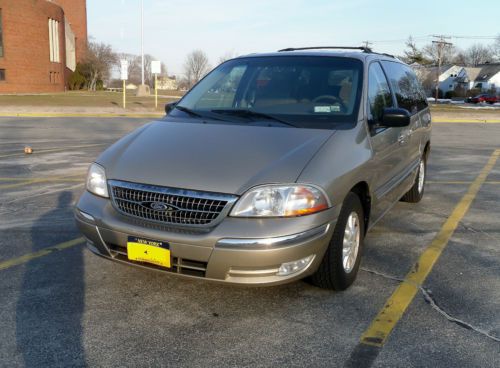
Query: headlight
x,y
280,201
96,181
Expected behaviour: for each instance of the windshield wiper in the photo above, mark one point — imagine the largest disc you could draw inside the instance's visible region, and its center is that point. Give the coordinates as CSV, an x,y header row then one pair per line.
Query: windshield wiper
x,y
197,114
252,114
189,111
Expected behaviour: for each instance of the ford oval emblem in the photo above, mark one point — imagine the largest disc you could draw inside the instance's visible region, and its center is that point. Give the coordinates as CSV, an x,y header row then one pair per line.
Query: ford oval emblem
x,y
160,206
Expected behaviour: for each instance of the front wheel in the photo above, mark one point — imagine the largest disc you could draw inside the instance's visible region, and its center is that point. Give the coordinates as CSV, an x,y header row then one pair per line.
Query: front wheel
x,y
340,265
415,194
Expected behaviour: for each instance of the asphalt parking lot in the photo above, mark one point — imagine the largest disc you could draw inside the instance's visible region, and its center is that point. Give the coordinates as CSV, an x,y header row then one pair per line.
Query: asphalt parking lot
x,y
62,306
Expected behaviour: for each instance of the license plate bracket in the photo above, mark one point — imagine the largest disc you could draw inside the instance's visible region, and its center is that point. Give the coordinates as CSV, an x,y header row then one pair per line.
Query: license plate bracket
x,y
151,251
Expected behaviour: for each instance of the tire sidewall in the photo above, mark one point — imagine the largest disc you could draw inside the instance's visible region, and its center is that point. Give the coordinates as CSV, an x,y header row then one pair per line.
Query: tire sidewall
x,y
343,279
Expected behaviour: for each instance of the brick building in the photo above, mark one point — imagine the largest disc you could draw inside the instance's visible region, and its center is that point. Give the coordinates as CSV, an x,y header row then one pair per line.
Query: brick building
x,y
40,43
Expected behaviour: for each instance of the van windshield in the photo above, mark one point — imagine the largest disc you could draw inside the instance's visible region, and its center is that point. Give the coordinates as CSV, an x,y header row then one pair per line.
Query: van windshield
x,y
303,91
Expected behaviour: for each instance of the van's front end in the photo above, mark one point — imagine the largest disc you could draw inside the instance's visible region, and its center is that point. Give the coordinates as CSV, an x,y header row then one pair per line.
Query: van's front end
x,y
214,189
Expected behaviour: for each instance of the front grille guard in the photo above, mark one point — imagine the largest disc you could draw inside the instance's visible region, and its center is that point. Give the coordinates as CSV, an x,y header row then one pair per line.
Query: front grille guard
x,y
230,199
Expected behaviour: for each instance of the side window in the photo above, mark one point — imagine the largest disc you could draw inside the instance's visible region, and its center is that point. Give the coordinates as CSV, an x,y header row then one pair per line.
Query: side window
x,y
408,91
379,93
419,92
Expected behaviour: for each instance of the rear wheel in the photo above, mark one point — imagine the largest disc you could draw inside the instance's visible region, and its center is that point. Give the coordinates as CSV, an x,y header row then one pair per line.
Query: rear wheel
x,y
340,264
415,194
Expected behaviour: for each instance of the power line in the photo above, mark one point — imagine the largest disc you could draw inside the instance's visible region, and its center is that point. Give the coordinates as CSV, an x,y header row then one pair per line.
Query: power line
x,y
427,37
476,37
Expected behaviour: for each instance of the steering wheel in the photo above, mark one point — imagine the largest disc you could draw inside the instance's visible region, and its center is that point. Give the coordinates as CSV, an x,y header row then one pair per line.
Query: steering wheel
x,y
332,98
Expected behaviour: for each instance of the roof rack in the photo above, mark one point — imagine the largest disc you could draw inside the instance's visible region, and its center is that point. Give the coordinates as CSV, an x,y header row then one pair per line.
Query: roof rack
x,y
363,48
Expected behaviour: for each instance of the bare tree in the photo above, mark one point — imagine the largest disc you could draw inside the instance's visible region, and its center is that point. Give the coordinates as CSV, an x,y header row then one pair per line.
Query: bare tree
x,y
99,60
478,54
195,67
227,56
435,52
413,54
460,58
134,66
496,48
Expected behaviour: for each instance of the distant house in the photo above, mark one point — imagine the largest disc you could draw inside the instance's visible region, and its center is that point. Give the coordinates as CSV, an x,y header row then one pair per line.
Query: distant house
x,y
428,77
483,77
448,79
488,78
466,80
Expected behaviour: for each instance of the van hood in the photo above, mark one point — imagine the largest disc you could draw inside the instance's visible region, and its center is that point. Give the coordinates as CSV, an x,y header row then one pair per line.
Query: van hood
x,y
212,157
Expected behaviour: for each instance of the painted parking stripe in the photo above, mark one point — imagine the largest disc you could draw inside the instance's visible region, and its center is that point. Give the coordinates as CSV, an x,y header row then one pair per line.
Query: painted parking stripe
x,y
41,253
396,305
460,182
152,115
373,339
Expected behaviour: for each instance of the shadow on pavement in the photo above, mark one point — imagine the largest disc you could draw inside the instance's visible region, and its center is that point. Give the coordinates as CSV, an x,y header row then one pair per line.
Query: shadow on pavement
x,y
50,306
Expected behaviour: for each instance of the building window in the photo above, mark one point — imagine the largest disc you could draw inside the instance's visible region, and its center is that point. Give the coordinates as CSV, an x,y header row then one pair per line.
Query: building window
x,y
2,74
54,40
1,35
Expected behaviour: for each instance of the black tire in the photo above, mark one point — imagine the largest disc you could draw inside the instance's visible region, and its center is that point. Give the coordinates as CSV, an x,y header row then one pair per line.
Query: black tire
x,y
331,273
414,195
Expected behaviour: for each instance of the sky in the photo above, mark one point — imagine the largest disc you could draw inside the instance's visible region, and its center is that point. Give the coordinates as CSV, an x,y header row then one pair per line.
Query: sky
x,y
173,28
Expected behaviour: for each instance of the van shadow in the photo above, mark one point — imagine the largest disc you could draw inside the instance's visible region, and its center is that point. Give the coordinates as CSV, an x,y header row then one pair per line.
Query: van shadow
x,y
51,301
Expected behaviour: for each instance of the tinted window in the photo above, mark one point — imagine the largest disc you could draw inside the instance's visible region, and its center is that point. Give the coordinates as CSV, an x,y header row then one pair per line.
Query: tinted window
x,y
408,91
379,93
310,92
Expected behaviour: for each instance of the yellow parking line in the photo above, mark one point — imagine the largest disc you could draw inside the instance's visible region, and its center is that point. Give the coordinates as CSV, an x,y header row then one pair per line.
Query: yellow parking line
x,y
69,149
46,251
82,115
380,328
468,121
460,182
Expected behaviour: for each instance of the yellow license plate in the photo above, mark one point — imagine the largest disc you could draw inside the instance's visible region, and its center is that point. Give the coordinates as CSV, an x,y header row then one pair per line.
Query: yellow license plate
x,y
149,251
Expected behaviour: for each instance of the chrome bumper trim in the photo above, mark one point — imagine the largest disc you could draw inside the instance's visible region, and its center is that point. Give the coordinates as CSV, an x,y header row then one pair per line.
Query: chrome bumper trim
x,y
272,243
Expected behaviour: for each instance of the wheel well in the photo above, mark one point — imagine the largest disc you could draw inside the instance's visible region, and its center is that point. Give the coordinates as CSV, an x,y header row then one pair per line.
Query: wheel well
x,y
363,192
427,150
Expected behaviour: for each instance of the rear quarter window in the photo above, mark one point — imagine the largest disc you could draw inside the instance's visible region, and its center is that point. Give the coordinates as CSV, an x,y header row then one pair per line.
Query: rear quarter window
x,y
406,87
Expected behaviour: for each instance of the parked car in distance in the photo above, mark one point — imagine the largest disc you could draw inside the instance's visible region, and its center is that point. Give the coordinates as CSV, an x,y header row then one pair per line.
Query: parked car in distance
x,y
491,99
269,170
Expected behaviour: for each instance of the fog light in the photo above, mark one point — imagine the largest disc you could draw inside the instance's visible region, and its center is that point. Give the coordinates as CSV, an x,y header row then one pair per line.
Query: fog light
x,y
295,266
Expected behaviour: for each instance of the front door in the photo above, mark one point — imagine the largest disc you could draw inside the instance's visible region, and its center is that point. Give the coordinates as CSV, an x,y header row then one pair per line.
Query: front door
x,y
388,144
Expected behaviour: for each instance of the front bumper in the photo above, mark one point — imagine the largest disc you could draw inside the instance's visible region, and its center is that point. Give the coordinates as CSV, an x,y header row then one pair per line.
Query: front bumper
x,y
237,250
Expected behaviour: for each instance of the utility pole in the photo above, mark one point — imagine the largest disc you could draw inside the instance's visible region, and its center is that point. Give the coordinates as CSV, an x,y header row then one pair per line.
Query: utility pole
x,y
441,44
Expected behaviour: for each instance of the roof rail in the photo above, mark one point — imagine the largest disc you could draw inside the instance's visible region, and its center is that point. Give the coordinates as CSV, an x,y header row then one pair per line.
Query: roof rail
x,y
363,48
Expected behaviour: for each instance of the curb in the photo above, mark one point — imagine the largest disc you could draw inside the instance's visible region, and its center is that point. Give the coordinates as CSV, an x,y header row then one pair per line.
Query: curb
x,y
160,115
470,121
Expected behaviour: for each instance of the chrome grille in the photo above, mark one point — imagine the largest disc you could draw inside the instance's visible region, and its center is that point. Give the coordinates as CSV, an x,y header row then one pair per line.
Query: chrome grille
x,y
169,205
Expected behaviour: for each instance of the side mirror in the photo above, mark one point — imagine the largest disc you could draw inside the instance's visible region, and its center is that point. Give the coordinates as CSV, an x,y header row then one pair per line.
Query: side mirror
x,y
394,118
170,106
